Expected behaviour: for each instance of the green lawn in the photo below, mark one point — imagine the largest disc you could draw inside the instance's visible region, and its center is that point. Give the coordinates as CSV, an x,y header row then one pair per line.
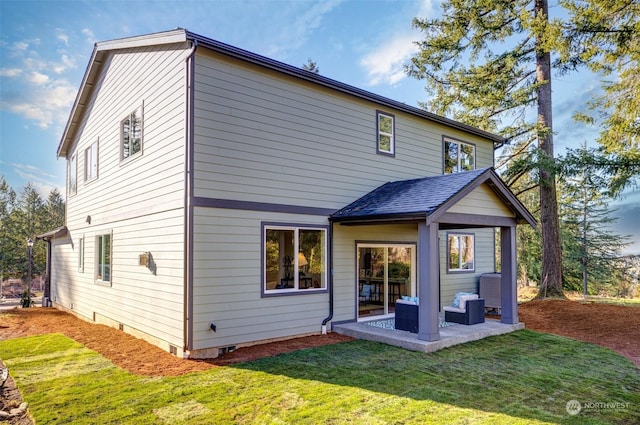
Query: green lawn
x,y
521,378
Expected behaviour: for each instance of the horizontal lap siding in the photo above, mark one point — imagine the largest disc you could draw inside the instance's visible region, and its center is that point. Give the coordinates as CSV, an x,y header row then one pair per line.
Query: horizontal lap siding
x,y
482,201
140,200
450,283
264,137
227,282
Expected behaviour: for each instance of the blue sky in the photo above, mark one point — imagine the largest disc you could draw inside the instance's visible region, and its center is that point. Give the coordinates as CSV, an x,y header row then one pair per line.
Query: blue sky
x,y
45,47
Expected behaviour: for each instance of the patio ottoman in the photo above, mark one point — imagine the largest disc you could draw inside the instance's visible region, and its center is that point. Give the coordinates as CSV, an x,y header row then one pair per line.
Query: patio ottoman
x,y
406,316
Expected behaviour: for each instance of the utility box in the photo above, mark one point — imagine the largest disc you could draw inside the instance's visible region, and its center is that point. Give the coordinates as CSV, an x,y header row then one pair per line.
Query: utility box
x,y
490,290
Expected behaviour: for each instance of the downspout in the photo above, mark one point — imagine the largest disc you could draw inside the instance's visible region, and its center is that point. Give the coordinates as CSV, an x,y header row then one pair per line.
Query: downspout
x,y
188,201
330,255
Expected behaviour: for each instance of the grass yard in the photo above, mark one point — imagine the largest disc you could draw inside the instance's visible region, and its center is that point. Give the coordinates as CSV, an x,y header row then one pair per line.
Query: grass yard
x,y
520,378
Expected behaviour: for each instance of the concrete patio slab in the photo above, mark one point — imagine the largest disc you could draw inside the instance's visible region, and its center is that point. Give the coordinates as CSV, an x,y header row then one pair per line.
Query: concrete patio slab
x,y
449,336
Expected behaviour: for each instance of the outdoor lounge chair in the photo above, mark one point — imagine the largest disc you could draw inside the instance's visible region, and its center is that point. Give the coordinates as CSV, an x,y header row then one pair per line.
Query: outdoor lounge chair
x,y
468,310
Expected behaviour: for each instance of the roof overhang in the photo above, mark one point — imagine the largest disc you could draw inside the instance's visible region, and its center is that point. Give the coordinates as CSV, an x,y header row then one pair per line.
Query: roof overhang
x,y
411,201
101,51
99,55
53,234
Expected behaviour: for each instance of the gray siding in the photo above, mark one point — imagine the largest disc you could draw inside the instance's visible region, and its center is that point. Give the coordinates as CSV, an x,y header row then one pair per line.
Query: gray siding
x,y
265,137
140,200
227,282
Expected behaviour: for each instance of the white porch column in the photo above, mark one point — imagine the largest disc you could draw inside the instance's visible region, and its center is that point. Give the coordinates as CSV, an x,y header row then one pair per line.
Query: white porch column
x,y
508,284
428,281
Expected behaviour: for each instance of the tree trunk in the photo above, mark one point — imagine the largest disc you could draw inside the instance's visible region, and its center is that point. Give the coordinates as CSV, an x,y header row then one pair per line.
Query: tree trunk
x,y
551,283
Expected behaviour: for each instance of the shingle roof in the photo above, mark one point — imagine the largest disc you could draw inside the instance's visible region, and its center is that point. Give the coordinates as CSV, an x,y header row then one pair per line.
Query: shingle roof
x,y
419,198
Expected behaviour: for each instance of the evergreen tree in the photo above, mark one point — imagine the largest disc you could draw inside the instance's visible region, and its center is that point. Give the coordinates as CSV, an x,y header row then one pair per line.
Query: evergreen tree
x,y
311,66
487,63
592,250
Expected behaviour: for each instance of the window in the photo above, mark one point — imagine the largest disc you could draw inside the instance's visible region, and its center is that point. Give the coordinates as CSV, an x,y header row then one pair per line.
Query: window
x,y
386,138
73,174
458,156
103,259
81,255
91,162
131,134
295,258
385,274
460,252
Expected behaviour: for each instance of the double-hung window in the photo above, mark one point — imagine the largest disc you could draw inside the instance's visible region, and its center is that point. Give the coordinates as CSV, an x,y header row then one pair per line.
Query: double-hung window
x,y
458,156
73,174
386,133
131,134
103,258
91,162
294,258
461,252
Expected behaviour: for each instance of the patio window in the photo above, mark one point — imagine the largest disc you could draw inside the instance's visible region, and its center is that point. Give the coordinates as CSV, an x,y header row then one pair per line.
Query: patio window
x,y
458,156
131,134
103,258
460,252
386,272
386,136
294,259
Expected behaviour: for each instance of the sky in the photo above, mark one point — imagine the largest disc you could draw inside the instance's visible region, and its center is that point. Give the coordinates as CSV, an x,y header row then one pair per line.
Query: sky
x,y
45,47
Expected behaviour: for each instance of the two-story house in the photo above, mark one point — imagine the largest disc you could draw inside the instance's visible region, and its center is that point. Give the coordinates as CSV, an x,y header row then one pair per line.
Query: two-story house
x,y
216,198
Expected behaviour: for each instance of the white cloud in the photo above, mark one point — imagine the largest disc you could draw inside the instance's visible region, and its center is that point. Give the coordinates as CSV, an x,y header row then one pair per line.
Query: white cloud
x,y
295,34
10,72
38,78
20,45
63,37
89,35
43,182
386,64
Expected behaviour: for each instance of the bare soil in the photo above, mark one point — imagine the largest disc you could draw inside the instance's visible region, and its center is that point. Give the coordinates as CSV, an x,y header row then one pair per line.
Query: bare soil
x,y
612,326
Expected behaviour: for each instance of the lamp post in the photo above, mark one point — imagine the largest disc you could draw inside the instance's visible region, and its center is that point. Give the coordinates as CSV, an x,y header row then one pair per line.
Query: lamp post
x,y
26,301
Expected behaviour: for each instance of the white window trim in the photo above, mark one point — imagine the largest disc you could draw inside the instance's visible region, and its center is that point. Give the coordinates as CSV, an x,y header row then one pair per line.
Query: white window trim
x,y
296,286
139,153
458,169
81,254
73,171
91,154
392,136
460,269
97,259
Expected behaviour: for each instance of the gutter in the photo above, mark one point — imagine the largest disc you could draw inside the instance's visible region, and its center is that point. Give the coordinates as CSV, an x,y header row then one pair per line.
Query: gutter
x,y
188,201
330,264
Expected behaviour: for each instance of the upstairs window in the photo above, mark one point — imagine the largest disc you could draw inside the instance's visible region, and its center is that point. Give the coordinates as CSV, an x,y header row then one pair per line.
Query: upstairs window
x,y
458,156
386,136
131,134
73,174
460,252
91,162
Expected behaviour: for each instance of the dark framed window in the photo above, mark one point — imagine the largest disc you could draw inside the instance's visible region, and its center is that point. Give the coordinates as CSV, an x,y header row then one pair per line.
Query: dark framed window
x,y
458,156
385,129
294,258
461,252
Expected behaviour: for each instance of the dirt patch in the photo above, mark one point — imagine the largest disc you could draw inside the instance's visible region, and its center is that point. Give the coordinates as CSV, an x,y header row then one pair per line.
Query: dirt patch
x,y
611,326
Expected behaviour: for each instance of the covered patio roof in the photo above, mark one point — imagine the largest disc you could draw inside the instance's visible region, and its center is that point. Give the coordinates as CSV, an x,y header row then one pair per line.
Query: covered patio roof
x,y
426,199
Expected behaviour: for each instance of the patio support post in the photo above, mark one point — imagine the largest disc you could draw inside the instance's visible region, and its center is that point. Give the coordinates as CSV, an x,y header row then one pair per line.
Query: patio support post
x,y
428,274
508,290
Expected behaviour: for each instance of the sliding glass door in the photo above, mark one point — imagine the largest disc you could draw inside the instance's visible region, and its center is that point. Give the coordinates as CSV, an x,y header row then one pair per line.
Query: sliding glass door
x,y
385,273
